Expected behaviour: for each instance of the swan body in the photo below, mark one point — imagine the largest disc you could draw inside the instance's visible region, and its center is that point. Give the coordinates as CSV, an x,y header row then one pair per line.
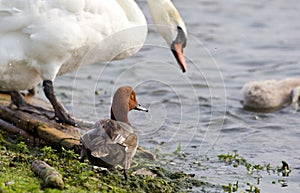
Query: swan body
x,y
271,94
41,39
46,38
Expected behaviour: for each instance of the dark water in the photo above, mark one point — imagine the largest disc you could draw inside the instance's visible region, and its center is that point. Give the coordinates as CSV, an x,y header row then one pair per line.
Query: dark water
x,y
230,43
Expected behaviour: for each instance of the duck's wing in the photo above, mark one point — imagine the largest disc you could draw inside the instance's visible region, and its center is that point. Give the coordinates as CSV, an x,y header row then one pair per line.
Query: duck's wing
x,y
117,131
96,141
101,146
122,133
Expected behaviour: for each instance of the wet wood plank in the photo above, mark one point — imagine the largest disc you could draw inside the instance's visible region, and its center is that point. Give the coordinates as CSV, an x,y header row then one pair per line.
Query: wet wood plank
x,y
38,126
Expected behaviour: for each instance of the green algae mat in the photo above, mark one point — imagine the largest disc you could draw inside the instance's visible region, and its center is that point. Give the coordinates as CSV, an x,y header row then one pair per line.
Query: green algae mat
x,y
16,175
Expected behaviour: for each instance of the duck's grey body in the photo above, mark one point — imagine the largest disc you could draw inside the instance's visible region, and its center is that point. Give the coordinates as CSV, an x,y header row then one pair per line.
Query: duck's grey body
x,y
110,143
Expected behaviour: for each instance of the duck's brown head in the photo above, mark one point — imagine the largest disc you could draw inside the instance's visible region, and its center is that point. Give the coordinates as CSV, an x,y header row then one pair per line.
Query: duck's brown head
x,y
124,101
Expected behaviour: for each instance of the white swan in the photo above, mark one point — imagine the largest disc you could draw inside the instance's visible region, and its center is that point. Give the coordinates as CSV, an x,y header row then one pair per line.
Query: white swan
x,y
40,39
270,95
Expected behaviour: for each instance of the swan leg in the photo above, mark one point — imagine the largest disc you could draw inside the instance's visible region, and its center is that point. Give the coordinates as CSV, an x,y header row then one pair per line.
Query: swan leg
x,y
18,100
295,94
61,114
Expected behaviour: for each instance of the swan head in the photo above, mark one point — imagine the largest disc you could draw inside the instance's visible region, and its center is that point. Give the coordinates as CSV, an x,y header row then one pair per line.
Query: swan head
x,y
171,27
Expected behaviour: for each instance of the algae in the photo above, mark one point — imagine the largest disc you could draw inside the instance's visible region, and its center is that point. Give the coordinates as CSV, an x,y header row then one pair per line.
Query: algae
x,y
16,176
254,170
16,158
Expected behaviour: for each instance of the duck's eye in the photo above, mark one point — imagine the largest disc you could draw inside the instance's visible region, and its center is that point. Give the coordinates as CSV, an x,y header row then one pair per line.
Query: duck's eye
x,y
132,97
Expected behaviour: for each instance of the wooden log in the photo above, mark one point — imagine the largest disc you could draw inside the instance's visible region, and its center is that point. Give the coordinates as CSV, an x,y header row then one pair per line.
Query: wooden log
x,y
10,128
49,175
54,134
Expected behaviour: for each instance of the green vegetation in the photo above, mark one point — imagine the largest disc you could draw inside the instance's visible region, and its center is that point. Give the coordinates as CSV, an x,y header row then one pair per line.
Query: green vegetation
x,y
236,160
15,174
146,175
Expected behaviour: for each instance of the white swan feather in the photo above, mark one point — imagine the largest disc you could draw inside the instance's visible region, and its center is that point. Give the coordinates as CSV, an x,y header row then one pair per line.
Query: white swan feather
x,y
40,39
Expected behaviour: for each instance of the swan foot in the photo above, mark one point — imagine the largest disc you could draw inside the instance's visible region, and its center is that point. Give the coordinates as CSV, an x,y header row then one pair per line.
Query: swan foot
x,y
18,100
61,114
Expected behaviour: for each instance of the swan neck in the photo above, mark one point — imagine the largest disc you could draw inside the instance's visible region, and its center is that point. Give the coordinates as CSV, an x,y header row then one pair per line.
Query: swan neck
x,y
133,12
166,18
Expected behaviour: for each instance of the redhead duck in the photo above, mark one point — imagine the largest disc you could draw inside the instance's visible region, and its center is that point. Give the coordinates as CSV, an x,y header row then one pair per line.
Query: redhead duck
x,y
41,40
113,140
270,95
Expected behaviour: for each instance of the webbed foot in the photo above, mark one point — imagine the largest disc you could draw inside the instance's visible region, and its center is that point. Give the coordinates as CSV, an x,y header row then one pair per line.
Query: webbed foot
x,y
18,100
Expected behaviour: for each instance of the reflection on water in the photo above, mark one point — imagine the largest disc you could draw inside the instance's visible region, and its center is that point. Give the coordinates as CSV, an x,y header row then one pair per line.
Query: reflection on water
x,y
230,43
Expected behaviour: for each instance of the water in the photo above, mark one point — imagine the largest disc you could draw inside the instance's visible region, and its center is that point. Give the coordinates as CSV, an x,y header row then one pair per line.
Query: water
x,y
230,43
